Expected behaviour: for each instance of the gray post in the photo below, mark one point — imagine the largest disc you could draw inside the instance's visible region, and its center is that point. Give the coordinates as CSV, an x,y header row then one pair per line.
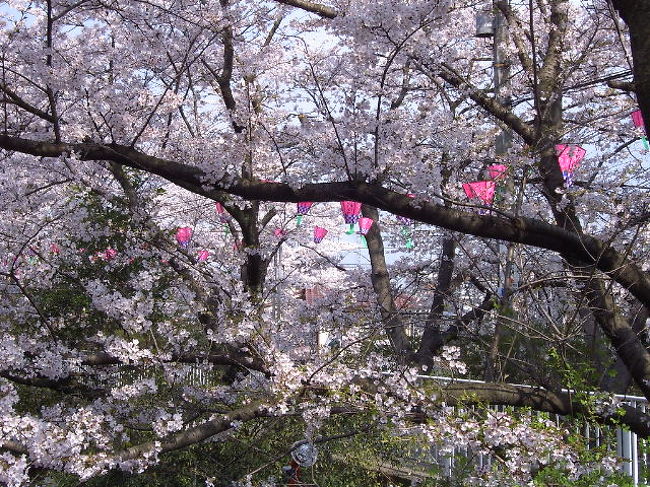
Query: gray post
x,y
503,142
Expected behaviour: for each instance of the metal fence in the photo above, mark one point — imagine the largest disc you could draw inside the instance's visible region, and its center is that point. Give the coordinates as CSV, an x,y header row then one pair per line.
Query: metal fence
x,y
629,447
632,448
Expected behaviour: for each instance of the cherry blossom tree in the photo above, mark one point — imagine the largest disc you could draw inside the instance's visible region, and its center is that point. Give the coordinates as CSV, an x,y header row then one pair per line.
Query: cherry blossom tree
x,y
153,156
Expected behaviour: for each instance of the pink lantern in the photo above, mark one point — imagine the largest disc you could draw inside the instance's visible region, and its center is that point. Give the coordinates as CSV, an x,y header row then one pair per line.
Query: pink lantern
x,y
637,118
278,232
319,234
303,209
183,236
54,248
497,171
203,256
569,157
364,225
224,217
351,211
484,190
405,222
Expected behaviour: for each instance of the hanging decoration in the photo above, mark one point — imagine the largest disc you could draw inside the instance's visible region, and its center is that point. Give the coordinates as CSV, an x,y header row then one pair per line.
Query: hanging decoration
x,y
319,234
364,228
406,222
303,209
497,171
278,232
32,257
224,217
183,236
406,233
107,254
54,248
364,225
351,211
483,190
203,256
569,157
637,120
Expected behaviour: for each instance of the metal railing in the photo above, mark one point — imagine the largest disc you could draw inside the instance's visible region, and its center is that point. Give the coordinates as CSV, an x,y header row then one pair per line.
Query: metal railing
x,y
629,447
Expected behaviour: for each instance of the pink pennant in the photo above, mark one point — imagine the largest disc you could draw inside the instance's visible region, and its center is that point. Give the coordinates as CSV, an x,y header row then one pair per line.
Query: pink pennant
x,y
224,217
484,190
364,225
319,234
351,210
497,171
183,236
303,207
569,156
203,256
637,118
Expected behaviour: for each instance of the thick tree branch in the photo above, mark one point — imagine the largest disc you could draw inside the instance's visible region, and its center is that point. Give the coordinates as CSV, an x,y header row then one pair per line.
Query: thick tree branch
x,y
193,435
313,7
622,85
636,14
12,97
549,74
523,230
66,386
463,393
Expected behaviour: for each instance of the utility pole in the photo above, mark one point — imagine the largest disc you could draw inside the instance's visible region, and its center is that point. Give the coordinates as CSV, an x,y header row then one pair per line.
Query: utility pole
x,y
501,76
503,142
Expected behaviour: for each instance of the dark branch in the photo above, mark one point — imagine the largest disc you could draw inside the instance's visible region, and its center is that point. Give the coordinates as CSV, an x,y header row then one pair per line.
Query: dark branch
x,y
523,230
316,8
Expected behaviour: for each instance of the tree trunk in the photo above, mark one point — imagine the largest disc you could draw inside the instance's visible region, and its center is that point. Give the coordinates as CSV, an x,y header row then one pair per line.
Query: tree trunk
x,y
636,14
381,284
